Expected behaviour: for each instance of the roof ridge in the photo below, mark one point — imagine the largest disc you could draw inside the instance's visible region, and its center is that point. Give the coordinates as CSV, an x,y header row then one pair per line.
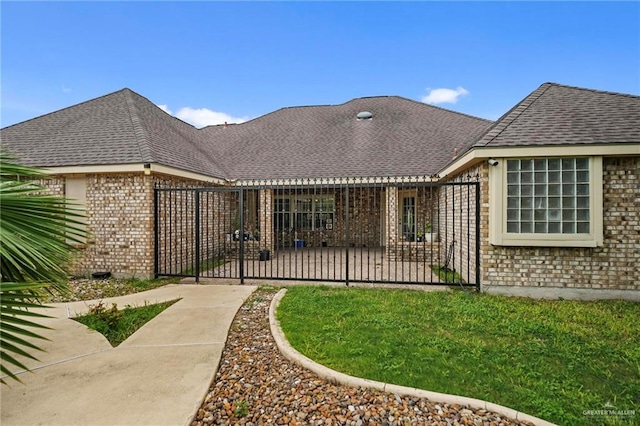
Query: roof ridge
x,y
441,108
511,116
66,108
352,100
586,89
142,138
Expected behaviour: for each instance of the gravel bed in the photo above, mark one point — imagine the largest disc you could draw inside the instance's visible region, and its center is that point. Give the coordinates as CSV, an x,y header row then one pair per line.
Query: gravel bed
x,y
256,385
89,289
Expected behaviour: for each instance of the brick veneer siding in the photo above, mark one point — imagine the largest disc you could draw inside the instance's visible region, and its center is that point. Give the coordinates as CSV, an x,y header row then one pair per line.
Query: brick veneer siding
x,y
364,217
426,209
120,223
457,222
613,266
53,185
177,225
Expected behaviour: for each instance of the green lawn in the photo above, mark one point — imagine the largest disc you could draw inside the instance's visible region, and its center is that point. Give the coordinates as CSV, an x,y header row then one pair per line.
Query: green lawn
x,y
550,359
117,325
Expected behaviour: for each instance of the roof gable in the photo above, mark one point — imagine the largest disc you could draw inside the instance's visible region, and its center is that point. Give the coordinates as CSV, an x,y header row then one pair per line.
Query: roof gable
x,y
99,131
555,114
119,128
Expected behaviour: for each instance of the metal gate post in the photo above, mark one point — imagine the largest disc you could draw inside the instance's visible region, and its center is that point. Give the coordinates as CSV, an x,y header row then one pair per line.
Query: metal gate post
x,y
197,195
477,184
156,232
347,230
241,208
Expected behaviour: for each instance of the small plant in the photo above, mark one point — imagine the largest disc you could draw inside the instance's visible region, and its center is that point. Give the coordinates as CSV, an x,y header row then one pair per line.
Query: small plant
x,y
446,274
109,318
117,325
242,409
426,229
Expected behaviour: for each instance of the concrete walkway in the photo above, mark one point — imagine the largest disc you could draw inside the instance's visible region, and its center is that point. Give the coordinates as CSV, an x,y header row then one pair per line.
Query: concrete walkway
x,y
156,377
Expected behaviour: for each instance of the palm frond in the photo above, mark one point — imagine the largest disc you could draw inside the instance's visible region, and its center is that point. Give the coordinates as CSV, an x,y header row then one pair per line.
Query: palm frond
x,y
36,232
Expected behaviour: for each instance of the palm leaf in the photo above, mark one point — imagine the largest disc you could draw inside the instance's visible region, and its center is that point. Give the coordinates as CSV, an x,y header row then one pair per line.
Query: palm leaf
x,y
15,299
36,232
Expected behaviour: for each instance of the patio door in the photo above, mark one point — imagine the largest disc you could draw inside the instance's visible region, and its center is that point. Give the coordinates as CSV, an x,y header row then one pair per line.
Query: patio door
x,y
407,214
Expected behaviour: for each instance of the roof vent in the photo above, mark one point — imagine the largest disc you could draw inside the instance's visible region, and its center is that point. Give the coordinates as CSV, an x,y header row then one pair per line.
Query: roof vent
x,y
364,115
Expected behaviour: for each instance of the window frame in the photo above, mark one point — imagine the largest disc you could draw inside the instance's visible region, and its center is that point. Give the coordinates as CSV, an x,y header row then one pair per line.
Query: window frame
x,y
498,234
313,212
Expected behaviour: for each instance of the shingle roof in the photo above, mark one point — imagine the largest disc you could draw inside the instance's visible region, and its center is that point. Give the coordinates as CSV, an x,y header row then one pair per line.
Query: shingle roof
x,y
404,137
555,114
119,128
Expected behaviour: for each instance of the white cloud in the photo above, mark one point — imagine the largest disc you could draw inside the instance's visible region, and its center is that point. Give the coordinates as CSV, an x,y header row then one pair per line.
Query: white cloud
x,y
442,96
66,89
165,108
202,117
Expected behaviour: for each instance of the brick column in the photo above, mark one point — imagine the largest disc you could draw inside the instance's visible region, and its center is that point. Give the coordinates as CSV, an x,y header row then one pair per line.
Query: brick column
x,y
266,219
392,217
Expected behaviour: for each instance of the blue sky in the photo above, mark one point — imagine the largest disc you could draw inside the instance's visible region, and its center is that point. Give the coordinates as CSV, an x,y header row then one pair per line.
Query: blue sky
x,y
209,62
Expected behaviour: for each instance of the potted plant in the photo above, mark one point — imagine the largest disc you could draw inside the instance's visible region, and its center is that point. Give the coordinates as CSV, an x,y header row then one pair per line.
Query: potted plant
x,y
429,234
264,254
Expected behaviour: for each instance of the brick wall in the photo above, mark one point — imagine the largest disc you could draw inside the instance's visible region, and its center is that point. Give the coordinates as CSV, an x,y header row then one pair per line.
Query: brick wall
x,y
120,224
177,225
457,221
364,217
612,266
53,185
422,248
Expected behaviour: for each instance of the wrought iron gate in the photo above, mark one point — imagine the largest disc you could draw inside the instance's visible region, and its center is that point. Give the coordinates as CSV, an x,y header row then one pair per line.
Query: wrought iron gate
x,y
392,230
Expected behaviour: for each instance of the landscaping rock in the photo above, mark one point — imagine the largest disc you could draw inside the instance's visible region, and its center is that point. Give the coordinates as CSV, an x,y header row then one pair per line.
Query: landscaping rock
x,y
253,374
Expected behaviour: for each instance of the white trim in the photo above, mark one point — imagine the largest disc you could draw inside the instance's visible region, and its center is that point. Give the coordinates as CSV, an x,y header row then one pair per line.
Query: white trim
x,y
132,168
185,174
402,194
482,153
497,207
335,181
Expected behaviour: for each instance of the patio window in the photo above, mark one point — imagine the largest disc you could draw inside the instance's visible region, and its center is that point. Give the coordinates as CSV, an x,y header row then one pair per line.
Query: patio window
x,y
547,201
282,214
304,213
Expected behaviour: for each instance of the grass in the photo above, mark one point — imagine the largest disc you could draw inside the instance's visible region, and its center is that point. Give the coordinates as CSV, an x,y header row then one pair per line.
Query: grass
x,y
447,275
117,325
550,359
205,265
